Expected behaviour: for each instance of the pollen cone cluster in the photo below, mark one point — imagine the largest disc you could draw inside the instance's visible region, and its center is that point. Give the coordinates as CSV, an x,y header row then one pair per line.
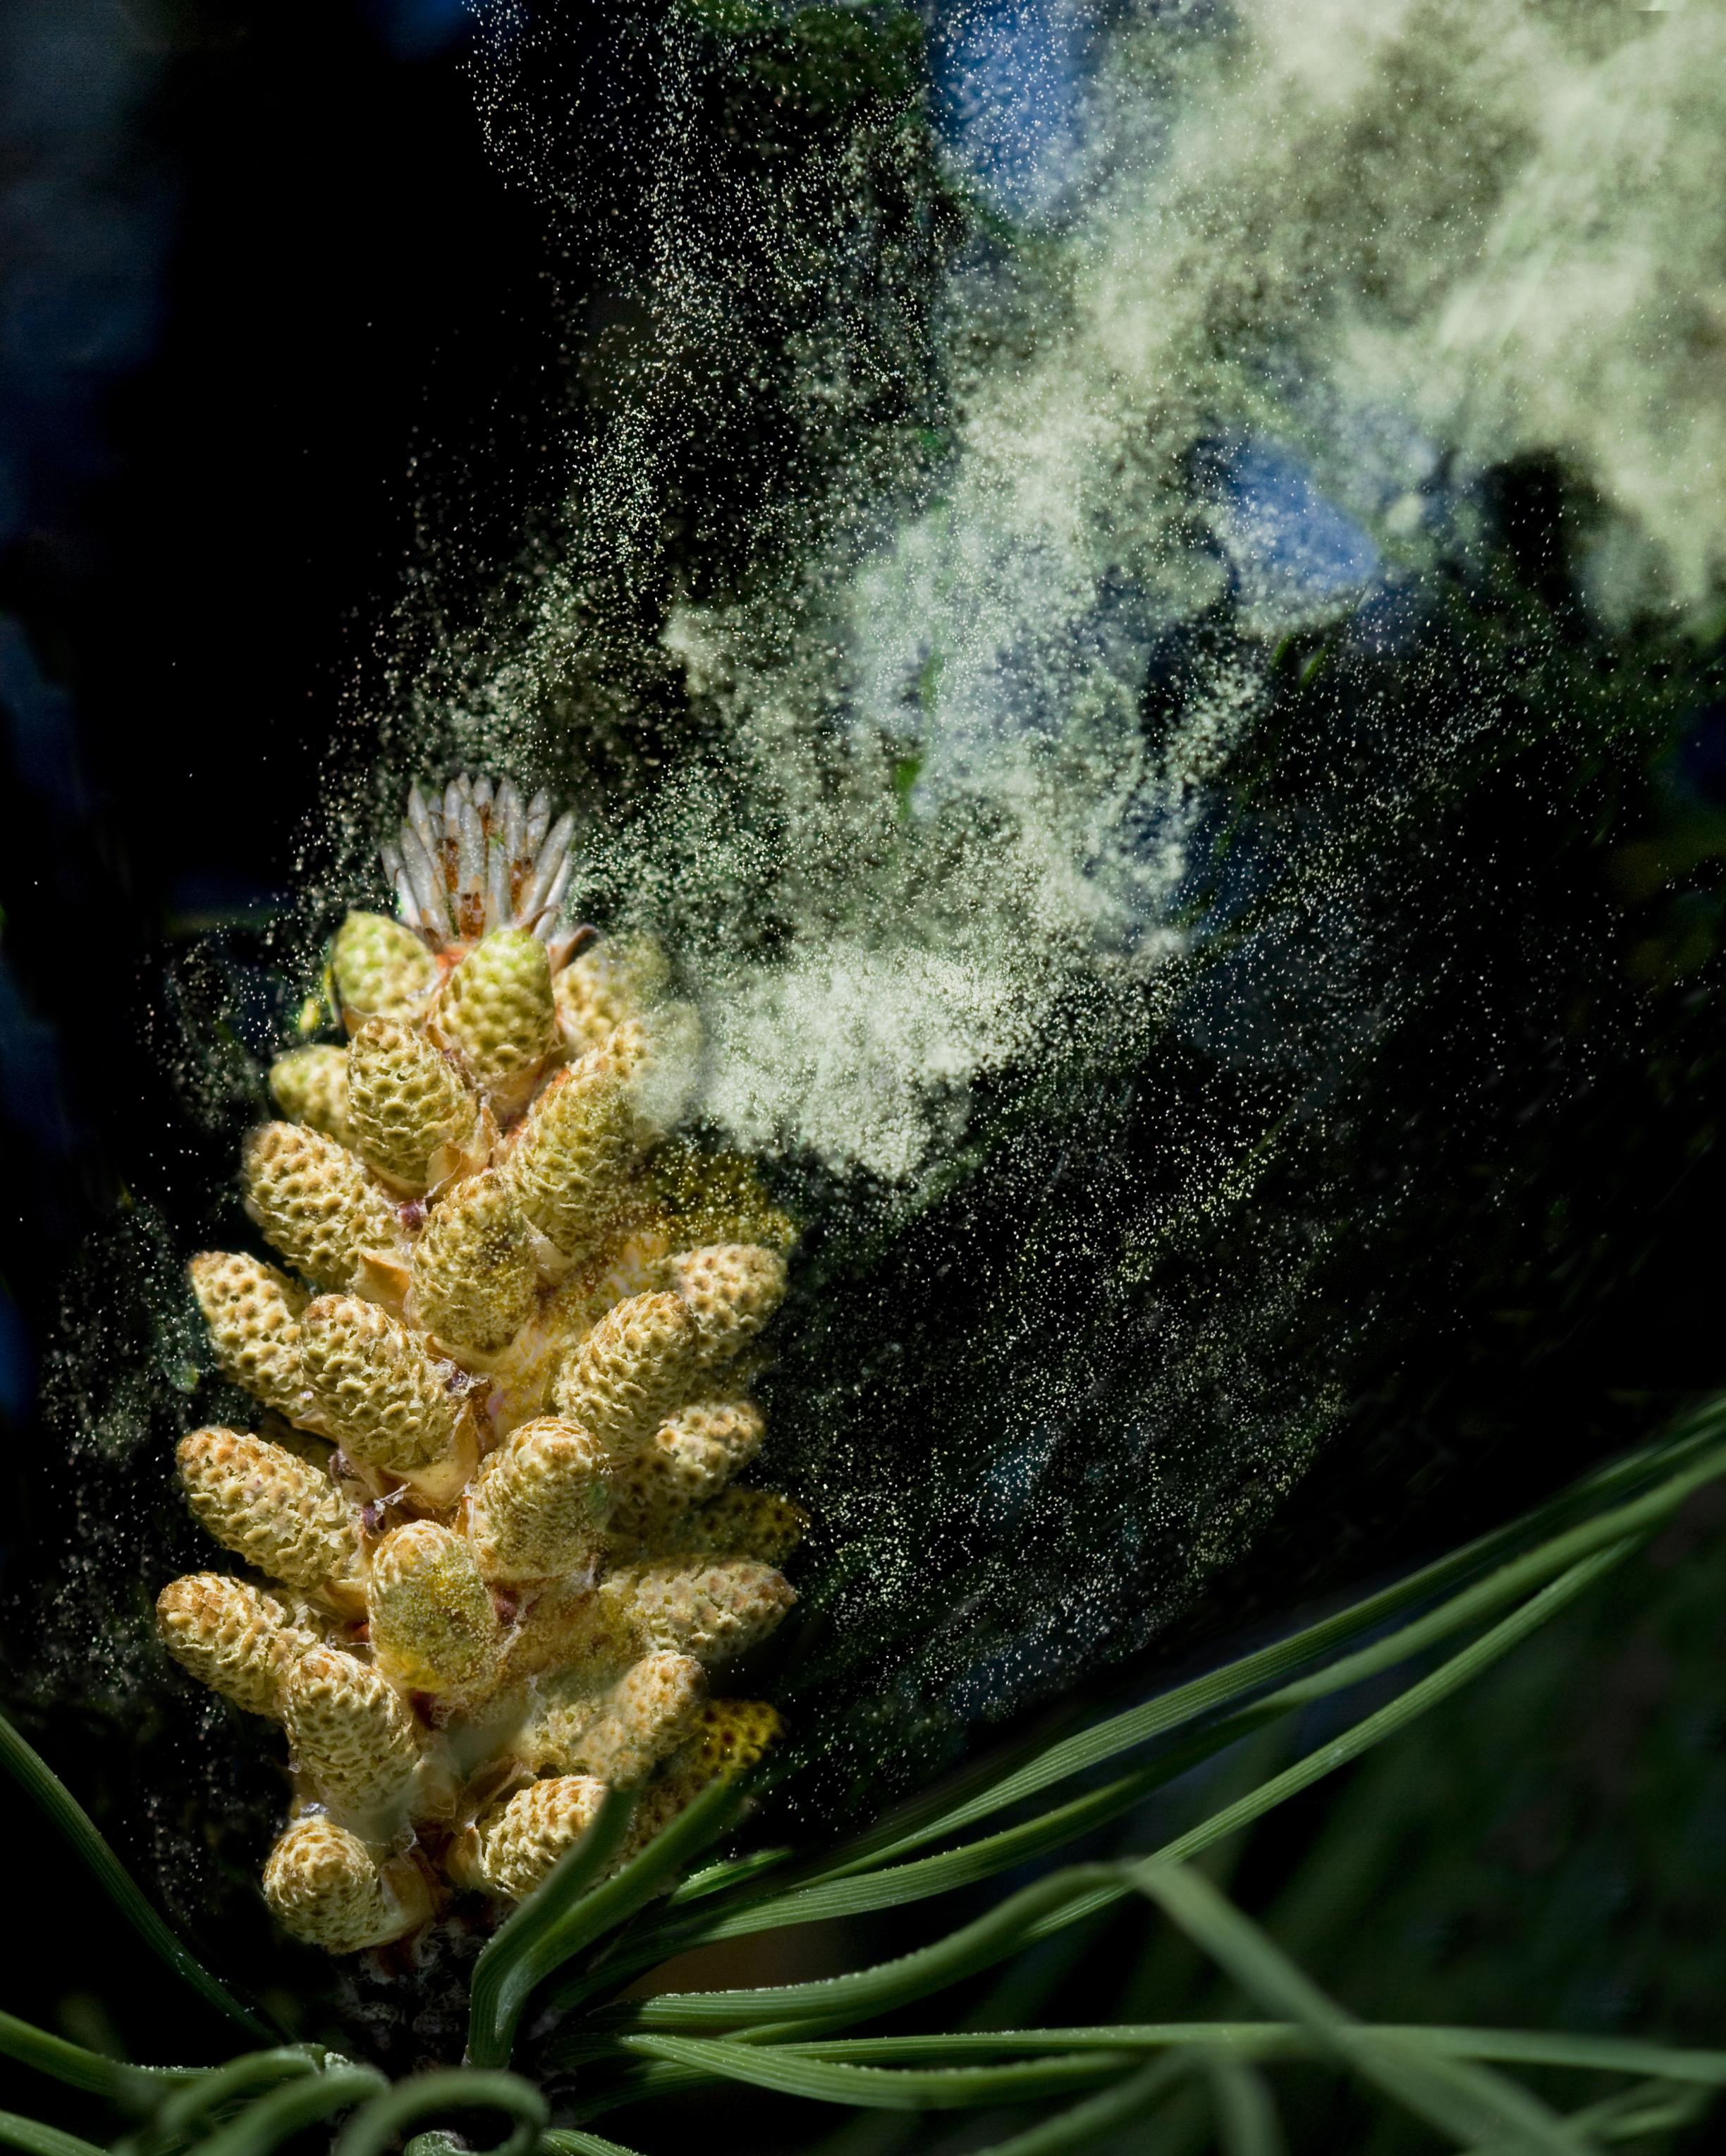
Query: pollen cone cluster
x,y
494,1550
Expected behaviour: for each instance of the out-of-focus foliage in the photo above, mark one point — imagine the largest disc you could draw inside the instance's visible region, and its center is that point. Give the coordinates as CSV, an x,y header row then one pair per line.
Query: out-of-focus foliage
x,y
1549,1845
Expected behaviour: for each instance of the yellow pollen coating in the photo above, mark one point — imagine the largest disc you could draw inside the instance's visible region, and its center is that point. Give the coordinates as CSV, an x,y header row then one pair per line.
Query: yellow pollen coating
x,y
513,1846
619,1734
277,1512
620,977
382,969
537,1504
687,1459
433,1625
381,1397
570,1165
673,1038
350,1731
566,1628
729,1735
732,1288
495,1455
630,1373
231,1637
310,1086
474,1279
404,1101
756,1523
253,1312
712,1610
716,1197
496,1010
315,1202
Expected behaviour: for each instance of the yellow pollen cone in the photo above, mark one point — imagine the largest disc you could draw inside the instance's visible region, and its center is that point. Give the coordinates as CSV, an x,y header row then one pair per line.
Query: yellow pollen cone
x,y
275,1510
382,969
433,1625
310,1086
315,1202
253,1312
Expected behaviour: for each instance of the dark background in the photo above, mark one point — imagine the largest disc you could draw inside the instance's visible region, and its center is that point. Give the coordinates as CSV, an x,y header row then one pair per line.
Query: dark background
x,y
264,292
257,267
